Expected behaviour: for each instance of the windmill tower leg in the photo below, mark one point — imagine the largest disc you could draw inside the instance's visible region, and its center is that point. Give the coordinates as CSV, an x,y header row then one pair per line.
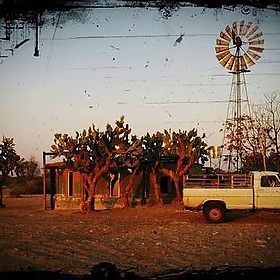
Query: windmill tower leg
x,y
238,118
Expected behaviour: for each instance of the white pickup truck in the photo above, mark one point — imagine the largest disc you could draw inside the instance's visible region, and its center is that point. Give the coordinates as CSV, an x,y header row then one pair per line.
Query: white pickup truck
x,y
214,194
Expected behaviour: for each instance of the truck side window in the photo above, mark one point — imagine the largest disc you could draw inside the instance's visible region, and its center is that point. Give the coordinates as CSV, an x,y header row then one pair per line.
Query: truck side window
x,y
269,181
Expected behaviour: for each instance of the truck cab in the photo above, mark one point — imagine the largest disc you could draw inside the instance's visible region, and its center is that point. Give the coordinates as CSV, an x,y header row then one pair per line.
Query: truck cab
x,y
266,190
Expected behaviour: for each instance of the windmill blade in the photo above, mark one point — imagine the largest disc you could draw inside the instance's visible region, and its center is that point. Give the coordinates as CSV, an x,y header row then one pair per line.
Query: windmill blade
x,y
235,67
256,42
229,64
234,28
253,55
249,61
230,50
255,36
225,36
221,49
241,28
222,55
222,42
249,24
243,64
257,49
224,61
252,31
228,30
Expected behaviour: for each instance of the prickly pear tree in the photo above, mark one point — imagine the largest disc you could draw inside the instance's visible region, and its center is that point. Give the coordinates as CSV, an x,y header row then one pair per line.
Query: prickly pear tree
x,y
153,150
131,158
10,162
92,153
187,148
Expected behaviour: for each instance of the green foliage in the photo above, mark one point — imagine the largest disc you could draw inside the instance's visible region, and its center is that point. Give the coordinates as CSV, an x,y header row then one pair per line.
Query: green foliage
x,y
10,161
91,150
188,147
152,148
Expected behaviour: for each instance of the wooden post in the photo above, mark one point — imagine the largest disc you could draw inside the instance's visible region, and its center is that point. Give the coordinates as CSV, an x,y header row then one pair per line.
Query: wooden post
x,y
53,186
45,177
44,181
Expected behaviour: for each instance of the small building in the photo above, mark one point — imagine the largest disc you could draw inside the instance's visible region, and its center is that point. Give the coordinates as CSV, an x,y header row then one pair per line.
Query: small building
x,y
63,188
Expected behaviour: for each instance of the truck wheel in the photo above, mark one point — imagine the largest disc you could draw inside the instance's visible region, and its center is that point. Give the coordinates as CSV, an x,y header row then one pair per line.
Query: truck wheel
x,y
214,212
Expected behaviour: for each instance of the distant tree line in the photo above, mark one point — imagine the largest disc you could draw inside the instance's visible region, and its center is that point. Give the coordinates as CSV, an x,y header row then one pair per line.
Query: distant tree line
x,y
16,173
257,139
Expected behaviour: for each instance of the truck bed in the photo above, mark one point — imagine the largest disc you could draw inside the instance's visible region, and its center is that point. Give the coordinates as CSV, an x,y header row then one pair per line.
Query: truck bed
x,y
222,180
235,190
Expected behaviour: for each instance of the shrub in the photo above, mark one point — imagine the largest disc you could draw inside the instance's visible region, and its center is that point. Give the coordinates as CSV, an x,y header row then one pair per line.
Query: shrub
x,y
26,186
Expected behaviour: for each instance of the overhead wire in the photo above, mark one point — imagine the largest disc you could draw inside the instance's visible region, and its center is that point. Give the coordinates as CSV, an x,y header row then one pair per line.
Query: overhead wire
x,y
148,36
53,38
186,102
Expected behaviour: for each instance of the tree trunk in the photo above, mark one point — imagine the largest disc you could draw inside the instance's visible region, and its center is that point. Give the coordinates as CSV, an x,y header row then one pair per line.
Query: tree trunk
x,y
92,180
178,192
91,198
129,186
2,182
171,174
154,182
1,196
144,188
89,204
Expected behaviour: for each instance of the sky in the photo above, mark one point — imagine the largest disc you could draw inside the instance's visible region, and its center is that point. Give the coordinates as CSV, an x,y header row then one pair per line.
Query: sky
x,y
104,63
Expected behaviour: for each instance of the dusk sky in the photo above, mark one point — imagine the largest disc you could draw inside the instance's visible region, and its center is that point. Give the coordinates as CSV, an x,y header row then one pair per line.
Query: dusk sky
x,y
126,61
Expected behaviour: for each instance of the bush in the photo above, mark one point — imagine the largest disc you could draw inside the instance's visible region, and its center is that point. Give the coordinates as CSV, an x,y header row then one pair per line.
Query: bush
x,y
26,186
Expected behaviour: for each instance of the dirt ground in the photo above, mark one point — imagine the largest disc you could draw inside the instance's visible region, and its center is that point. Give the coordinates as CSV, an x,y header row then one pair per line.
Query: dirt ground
x,y
145,240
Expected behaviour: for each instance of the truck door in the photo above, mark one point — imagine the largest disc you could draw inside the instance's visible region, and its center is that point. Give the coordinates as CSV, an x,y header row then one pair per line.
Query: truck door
x,y
268,193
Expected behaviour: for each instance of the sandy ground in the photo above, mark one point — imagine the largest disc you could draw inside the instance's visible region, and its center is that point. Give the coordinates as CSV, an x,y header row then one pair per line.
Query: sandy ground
x,y
146,240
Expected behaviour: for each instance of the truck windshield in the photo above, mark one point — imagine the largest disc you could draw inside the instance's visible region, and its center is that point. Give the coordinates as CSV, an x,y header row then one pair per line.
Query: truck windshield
x,y
269,181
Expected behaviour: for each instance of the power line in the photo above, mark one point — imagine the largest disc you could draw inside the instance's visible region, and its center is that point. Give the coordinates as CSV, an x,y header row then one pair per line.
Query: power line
x,y
149,36
132,36
186,102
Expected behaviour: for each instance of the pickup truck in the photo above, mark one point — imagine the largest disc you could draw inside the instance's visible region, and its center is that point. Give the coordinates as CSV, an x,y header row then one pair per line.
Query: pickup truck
x,y
214,194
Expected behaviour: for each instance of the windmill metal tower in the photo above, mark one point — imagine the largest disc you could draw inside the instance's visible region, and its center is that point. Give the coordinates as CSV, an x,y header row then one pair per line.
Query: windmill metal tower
x,y
237,49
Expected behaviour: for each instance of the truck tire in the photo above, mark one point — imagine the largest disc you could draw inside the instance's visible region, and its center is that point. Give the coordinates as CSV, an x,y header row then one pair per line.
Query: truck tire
x,y
214,212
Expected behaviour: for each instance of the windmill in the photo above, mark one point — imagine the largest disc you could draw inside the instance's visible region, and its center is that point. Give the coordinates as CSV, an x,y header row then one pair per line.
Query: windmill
x,y
237,49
